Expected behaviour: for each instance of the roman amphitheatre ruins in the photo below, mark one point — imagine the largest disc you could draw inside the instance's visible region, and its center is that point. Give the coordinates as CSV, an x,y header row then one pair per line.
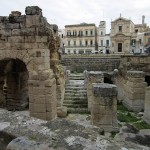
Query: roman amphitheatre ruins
x,y
73,102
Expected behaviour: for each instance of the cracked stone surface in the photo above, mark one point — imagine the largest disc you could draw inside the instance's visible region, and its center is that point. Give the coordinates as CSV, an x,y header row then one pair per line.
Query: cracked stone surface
x,y
72,133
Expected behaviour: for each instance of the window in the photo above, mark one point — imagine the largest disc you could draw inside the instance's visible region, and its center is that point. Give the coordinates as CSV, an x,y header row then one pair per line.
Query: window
x,y
101,42
101,33
148,40
74,51
133,42
68,51
74,43
80,43
62,36
80,33
107,42
91,42
74,33
91,32
68,43
140,41
68,33
120,28
86,43
86,33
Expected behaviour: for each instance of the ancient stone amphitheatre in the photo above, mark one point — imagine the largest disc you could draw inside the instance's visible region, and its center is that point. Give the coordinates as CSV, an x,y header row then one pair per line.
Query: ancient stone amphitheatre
x,y
80,102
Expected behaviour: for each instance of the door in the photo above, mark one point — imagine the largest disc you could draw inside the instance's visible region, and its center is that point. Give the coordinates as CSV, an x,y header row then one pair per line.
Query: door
x,y
119,47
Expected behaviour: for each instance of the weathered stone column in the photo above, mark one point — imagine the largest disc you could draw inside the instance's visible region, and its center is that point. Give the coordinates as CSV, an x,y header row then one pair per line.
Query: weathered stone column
x,y
42,95
135,90
93,77
104,106
146,116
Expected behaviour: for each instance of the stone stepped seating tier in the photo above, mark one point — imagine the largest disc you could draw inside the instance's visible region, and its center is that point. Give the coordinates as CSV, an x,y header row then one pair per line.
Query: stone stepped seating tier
x,y
76,94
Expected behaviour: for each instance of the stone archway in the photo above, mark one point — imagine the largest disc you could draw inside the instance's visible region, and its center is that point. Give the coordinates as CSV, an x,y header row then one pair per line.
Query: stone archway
x,y
13,84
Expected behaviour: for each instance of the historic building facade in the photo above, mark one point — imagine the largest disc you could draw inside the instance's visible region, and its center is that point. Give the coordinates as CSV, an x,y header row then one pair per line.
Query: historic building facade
x,y
121,33
103,38
127,37
80,38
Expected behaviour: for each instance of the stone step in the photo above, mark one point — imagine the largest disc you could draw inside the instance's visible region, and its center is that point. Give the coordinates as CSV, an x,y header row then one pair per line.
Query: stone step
x,y
77,110
76,78
76,94
74,102
75,98
75,91
75,88
75,85
76,105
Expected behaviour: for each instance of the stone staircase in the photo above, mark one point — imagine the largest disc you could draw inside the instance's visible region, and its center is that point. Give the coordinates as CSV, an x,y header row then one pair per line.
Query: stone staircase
x,y
76,94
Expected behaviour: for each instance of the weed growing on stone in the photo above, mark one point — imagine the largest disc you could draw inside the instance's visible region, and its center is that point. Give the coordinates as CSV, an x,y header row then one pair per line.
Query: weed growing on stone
x,y
127,118
141,125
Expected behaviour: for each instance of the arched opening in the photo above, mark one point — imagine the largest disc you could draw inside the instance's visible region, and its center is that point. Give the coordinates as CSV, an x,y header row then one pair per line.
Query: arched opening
x,y
147,80
13,84
107,80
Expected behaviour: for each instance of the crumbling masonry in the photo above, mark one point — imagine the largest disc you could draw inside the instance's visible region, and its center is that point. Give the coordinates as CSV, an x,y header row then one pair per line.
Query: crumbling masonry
x,y
29,63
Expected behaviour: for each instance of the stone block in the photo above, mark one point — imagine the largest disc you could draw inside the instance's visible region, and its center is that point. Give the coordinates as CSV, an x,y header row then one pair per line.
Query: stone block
x,y
33,10
29,39
32,20
95,77
104,90
42,39
135,74
16,32
39,99
61,112
28,31
136,80
51,115
136,84
39,108
16,39
51,82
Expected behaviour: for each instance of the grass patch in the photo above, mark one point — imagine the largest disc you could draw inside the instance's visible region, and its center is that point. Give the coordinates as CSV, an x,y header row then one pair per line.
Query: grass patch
x,y
141,125
122,108
126,118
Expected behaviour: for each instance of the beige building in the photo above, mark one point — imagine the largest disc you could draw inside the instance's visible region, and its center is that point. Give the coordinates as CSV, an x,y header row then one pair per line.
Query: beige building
x,y
127,37
121,33
80,38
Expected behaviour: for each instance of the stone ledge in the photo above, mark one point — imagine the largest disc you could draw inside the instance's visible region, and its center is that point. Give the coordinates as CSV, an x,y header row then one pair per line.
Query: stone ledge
x,y
104,90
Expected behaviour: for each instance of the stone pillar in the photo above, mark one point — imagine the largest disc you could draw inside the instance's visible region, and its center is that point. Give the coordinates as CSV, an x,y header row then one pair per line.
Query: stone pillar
x,y
104,106
135,90
42,95
146,116
93,77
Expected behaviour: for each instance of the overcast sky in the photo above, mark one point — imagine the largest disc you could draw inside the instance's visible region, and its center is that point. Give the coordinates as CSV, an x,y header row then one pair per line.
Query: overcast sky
x,y
65,12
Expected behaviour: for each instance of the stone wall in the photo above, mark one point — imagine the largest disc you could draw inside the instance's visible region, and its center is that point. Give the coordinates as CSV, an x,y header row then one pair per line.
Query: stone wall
x,y
135,90
146,116
32,40
133,62
80,63
104,106
93,77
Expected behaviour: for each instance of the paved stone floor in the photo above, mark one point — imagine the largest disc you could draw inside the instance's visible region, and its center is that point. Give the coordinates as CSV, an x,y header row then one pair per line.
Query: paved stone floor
x,y
73,133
